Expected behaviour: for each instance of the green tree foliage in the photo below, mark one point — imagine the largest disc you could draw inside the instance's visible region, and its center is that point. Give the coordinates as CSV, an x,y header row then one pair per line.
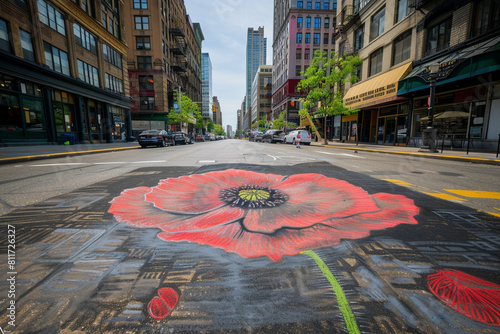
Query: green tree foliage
x,y
281,123
324,80
262,123
189,112
218,130
210,126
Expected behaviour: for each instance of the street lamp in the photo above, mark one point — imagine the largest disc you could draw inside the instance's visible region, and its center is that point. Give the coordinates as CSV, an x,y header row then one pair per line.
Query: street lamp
x,y
429,135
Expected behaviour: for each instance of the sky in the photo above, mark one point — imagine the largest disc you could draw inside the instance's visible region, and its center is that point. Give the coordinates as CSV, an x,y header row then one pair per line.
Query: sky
x,y
225,24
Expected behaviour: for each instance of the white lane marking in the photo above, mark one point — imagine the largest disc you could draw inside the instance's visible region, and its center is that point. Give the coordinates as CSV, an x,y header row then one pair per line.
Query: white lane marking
x,y
61,164
206,161
345,154
149,162
110,163
275,158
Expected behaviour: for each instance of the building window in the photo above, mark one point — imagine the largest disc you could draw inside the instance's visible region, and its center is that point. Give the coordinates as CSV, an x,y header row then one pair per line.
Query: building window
x,y
27,45
51,17
55,59
326,4
326,38
141,22
327,23
299,38
112,56
359,36
84,38
402,48
140,4
306,54
486,16
143,43
300,22
104,18
317,5
403,10
317,38
342,49
376,62
308,38
309,5
300,4
144,63
88,73
146,82
438,37
317,22
4,37
377,24
113,84
147,103
308,22
297,70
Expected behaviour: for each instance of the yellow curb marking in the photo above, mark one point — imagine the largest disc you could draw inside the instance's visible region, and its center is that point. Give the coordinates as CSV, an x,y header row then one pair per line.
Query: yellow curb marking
x,y
425,190
68,153
494,214
475,193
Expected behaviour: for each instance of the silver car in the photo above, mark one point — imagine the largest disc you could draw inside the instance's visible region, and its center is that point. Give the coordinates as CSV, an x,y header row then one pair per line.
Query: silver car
x,y
305,137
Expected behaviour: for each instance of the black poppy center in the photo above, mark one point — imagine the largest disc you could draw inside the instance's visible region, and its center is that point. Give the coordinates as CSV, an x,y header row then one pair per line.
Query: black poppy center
x,y
253,197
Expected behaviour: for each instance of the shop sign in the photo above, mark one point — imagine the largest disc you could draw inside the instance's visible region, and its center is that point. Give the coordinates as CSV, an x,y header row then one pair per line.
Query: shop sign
x,y
444,70
374,94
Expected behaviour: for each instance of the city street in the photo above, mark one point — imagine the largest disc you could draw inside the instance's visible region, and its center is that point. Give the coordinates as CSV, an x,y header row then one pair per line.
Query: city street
x,y
234,236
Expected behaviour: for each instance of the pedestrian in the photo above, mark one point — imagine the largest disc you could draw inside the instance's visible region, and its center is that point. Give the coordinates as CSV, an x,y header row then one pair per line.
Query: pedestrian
x,y
297,140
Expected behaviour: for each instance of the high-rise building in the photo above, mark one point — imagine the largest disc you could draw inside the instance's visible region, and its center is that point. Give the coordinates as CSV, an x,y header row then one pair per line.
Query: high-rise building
x,y
262,94
300,28
256,56
206,87
63,74
164,57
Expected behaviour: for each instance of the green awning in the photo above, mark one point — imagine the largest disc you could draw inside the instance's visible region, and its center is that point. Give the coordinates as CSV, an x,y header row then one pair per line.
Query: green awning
x,y
457,65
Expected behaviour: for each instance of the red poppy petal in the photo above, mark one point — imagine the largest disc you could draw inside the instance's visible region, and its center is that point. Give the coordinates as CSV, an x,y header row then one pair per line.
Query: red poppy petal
x,y
130,207
202,222
157,308
326,196
237,178
169,296
473,297
191,194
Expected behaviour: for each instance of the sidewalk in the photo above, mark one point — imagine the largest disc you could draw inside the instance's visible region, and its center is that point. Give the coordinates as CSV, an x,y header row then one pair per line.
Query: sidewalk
x,y
13,154
457,154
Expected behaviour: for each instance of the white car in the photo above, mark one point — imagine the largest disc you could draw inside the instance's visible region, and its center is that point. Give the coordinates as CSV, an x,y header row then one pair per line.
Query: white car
x,y
305,137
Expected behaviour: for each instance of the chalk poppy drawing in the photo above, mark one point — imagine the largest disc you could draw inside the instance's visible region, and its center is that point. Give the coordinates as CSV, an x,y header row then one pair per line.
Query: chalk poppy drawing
x,y
473,297
255,214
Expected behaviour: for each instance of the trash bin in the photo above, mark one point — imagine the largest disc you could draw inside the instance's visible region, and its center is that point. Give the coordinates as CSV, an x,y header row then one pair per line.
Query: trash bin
x,y
70,138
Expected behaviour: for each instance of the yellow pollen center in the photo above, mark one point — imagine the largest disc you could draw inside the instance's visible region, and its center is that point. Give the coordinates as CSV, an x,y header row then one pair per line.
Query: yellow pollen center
x,y
253,194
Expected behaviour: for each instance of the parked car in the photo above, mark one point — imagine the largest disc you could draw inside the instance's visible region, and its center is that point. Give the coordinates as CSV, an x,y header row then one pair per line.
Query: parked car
x,y
200,138
252,136
305,137
156,138
181,138
272,136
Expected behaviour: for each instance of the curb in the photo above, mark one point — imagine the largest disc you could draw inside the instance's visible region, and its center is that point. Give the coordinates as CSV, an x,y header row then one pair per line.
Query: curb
x,y
424,155
62,154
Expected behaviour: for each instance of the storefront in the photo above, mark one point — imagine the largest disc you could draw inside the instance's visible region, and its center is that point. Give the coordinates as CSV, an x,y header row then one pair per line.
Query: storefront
x,y
467,90
383,116
40,106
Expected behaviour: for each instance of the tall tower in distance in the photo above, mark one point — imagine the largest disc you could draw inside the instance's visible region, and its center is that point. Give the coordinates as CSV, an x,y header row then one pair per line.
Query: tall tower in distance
x,y
256,56
206,87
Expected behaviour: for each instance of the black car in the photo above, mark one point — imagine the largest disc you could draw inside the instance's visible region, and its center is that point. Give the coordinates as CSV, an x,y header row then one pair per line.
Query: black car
x,y
155,138
181,138
272,136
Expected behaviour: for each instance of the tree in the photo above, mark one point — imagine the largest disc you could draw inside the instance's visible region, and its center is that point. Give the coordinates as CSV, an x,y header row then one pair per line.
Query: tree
x,y
189,111
210,126
262,123
324,81
281,123
218,130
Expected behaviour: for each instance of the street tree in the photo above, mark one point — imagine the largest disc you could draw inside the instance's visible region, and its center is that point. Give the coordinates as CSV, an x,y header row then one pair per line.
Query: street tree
x,y
262,123
324,81
210,126
188,112
281,123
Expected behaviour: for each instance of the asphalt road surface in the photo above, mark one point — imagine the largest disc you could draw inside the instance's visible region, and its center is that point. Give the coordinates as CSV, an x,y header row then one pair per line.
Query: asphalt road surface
x,y
239,237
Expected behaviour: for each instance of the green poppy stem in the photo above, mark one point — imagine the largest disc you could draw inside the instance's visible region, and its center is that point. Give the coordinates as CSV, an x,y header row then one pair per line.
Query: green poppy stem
x,y
349,318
